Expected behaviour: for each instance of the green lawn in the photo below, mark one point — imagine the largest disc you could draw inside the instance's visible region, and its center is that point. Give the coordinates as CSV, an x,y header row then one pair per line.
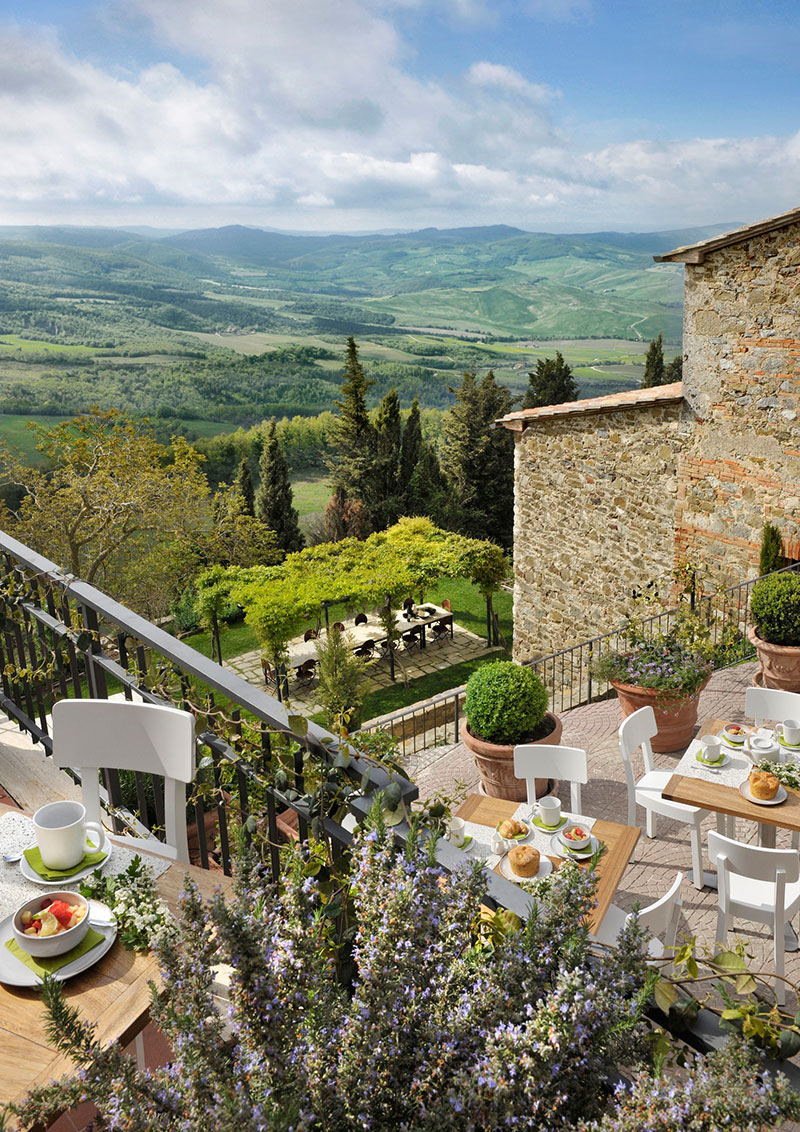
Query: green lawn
x,y
311,493
14,342
384,700
236,639
469,607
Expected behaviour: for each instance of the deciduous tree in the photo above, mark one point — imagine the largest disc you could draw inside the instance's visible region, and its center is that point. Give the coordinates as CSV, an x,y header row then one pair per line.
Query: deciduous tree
x,y
274,501
551,383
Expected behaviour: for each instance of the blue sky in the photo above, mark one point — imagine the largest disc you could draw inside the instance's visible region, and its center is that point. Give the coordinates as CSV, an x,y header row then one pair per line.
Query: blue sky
x,y
560,115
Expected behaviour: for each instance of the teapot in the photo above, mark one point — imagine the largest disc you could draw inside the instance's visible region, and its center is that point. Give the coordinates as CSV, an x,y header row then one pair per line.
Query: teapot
x,y
763,745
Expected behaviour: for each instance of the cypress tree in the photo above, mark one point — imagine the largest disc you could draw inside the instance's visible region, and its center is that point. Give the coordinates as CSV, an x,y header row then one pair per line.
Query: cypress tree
x,y
551,383
411,447
771,550
385,499
427,488
274,502
353,434
654,364
244,487
674,370
479,461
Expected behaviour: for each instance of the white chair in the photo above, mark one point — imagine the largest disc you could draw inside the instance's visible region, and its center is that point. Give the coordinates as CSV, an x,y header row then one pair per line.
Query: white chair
x,y
762,704
545,760
636,731
756,884
659,919
91,734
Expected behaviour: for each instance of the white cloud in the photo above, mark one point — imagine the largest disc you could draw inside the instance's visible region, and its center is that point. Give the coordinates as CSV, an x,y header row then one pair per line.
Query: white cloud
x,y
311,106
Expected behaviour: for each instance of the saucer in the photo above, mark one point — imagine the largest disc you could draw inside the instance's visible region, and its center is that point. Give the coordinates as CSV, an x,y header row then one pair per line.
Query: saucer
x,y
537,821
713,766
782,741
32,875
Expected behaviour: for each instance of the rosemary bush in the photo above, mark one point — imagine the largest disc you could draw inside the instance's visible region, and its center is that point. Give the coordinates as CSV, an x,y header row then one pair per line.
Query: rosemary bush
x,y
452,1022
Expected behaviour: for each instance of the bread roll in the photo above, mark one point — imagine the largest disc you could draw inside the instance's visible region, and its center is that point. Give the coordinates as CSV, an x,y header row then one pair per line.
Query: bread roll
x,y
512,828
763,784
524,860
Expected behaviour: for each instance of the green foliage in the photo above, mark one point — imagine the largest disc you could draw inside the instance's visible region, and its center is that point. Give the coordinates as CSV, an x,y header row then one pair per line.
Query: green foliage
x,y
244,487
273,499
505,703
411,446
343,682
771,557
551,383
654,372
775,609
674,370
353,432
386,497
478,461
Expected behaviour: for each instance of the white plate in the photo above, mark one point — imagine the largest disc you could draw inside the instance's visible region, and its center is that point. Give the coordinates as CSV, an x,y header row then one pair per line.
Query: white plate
x,y
545,867
518,838
744,790
31,874
14,973
713,766
559,846
729,742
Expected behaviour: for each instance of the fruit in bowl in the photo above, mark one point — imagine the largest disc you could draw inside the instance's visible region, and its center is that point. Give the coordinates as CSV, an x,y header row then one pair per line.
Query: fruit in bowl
x,y
576,837
51,925
735,734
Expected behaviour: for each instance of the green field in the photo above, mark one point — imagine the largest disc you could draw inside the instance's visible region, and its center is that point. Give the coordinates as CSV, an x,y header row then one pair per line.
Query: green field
x,y
13,342
15,432
311,493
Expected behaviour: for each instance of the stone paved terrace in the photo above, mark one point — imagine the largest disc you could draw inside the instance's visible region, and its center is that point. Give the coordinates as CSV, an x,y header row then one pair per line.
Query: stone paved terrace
x,y
655,862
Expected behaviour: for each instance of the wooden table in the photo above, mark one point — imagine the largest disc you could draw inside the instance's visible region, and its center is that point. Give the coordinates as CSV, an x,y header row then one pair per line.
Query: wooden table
x,y
727,799
114,993
620,841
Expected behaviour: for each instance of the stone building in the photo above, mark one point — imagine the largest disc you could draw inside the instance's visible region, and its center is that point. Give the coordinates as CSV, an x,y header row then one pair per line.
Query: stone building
x,y
615,491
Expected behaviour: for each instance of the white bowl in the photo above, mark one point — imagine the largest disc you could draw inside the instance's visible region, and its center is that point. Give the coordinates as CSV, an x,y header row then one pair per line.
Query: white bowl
x,y
51,944
734,737
577,842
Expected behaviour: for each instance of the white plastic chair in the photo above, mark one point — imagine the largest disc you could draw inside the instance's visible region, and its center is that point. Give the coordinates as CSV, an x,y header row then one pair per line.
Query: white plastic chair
x,y
636,731
91,734
771,703
546,760
756,884
660,919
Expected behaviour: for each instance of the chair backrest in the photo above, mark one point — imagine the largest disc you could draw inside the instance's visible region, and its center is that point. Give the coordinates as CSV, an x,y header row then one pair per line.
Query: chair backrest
x,y
771,703
361,619
310,635
636,731
446,604
338,626
776,866
545,760
661,918
153,739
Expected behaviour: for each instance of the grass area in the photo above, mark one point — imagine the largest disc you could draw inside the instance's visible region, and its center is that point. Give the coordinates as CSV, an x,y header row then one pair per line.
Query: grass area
x,y
236,639
14,342
383,700
311,493
14,431
469,606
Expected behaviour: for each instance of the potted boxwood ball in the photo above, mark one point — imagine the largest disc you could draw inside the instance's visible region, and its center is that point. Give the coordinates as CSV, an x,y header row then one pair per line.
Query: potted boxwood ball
x,y
775,609
505,705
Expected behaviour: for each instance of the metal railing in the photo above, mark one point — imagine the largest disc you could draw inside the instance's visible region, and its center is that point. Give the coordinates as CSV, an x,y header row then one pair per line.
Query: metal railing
x,y
568,674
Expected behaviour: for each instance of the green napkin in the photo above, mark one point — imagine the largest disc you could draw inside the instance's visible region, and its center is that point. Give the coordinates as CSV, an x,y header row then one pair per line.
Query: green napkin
x,y
34,859
41,966
537,821
709,762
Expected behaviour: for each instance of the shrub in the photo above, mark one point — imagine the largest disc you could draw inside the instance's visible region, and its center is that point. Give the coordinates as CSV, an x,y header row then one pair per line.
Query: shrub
x,y
343,683
775,606
771,550
504,702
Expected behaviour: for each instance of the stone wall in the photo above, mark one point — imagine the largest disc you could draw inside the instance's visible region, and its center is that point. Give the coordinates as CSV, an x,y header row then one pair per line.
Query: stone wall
x,y
741,375
594,518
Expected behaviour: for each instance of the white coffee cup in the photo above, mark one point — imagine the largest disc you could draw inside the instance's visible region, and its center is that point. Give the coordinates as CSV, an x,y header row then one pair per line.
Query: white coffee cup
x,y
457,832
549,811
711,748
61,829
791,731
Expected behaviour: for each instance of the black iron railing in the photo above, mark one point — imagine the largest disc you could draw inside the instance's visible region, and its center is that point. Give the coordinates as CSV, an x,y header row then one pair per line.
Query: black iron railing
x,y
568,674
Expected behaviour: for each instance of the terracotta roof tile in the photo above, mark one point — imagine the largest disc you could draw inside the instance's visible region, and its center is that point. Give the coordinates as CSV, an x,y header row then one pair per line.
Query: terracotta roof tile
x,y
696,253
631,399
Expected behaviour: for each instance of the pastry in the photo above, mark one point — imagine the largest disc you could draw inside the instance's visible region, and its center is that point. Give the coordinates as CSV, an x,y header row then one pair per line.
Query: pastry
x,y
512,828
763,784
524,861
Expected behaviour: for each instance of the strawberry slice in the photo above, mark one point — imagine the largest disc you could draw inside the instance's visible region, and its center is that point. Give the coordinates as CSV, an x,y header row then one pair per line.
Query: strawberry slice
x,y
62,911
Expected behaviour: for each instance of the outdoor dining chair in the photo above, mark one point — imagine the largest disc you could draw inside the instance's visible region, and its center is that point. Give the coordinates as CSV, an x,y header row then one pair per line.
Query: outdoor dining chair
x,y
545,760
756,884
310,635
92,734
365,651
635,732
411,640
439,632
361,619
305,673
660,919
762,704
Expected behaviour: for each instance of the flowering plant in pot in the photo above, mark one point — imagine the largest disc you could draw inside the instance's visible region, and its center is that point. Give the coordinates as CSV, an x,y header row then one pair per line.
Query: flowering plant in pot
x,y
775,608
506,704
666,670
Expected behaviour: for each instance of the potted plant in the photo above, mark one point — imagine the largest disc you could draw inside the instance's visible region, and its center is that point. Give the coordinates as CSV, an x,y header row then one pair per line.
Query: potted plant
x,y
775,608
506,704
666,671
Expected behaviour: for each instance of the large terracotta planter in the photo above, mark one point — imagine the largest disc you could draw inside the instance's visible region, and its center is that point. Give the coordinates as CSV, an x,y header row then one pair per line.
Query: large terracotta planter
x,y
496,763
676,719
778,665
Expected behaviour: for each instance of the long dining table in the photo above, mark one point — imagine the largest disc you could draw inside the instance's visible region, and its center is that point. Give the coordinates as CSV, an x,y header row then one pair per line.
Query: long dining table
x,y
619,840
114,993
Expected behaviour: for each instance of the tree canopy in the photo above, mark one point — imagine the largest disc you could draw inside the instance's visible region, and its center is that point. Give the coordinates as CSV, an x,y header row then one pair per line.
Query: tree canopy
x,y
273,501
551,383
654,364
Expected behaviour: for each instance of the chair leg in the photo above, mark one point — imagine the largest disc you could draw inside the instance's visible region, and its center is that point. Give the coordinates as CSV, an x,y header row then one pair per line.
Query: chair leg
x,y
631,808
650,825
779,944
726,825
722,928
697,856
795,840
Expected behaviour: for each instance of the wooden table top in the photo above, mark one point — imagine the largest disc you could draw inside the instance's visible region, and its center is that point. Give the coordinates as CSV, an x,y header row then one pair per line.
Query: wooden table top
x,y
114,993
620,841
709,795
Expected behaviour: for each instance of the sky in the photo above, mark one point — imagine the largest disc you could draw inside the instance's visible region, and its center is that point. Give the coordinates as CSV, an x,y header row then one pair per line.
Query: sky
x,y
370,115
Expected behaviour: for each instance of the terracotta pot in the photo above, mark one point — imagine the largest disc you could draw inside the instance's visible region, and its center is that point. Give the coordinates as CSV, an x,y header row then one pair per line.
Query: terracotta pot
x,y
496,763
676,719
778,665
